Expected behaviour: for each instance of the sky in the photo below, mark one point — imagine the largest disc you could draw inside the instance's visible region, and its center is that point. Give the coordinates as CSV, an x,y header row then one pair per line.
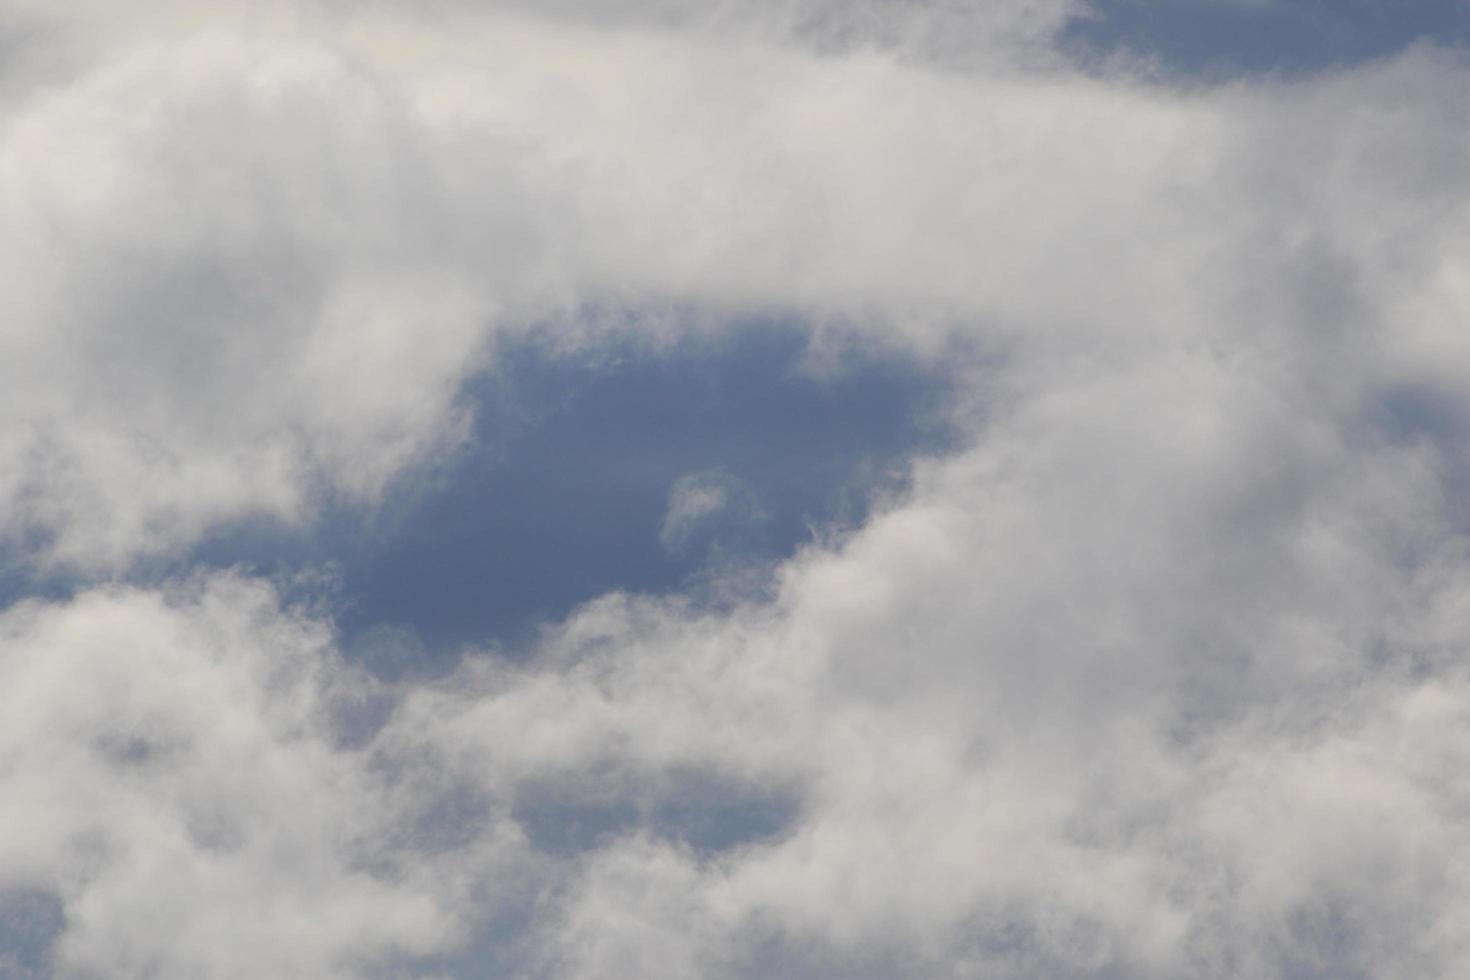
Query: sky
x,y
593,489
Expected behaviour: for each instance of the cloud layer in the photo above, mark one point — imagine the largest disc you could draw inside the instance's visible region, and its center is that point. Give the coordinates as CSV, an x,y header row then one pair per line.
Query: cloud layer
x,y
1160,673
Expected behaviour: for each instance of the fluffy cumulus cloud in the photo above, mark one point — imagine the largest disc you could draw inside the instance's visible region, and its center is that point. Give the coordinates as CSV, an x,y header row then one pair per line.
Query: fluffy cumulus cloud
x,y
1159,672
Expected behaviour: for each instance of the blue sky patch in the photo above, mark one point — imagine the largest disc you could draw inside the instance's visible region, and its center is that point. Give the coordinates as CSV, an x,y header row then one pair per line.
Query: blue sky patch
x,y
1224,37
568,488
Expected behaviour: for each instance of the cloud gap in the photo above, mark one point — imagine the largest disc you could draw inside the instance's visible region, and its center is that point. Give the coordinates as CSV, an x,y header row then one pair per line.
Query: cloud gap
x,y
1191,40
563,490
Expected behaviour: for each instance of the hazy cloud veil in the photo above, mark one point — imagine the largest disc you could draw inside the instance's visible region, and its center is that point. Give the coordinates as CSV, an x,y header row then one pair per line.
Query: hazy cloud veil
x,y
1160,672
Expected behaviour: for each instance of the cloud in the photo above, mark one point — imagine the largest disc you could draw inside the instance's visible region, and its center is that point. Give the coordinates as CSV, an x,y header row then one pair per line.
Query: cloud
x,y
174,782
1159,673
217,307
697,499
252,269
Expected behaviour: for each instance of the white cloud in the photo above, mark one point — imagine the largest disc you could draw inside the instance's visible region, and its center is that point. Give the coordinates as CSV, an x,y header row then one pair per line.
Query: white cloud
x,y
253,263
217,301
171,775
705,497
1159,675
253,267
